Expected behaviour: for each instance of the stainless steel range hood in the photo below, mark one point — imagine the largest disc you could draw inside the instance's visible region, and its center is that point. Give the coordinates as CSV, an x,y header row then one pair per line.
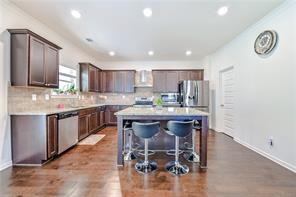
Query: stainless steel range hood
x,y
144,78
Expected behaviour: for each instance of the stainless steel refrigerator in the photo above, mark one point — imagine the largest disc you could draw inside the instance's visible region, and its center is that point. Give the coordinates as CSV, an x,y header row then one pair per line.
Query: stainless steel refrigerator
x,y
194,94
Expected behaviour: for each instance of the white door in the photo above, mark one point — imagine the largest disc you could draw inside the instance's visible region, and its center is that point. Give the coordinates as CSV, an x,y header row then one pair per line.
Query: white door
x,y
227,100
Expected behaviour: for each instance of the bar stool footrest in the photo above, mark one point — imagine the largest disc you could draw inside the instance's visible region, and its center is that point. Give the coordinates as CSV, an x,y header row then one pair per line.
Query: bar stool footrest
x,y
192,157
146,167
176,168
130,156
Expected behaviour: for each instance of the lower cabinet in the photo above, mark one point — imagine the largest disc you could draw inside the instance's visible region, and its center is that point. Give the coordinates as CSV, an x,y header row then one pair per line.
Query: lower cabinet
x,y
110,116
93,125
52,136
34,138
89,121
82,126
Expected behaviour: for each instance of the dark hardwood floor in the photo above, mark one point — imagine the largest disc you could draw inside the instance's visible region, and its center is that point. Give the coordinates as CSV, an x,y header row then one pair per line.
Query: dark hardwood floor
x,y
233,170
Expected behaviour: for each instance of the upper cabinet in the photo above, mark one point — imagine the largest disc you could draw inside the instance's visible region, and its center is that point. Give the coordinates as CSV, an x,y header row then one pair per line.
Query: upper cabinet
x,y
34,60
90,77
167,80
118,81
93,79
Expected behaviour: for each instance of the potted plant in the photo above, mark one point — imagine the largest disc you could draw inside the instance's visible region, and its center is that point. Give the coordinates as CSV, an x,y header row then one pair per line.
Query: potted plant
x,y
158,103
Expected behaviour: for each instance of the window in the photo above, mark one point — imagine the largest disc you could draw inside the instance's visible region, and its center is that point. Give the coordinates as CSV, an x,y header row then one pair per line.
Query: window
x,y
67,80
68,77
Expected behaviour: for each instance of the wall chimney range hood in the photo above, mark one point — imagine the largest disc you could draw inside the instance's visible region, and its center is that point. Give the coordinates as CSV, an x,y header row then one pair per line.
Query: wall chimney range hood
x,y
143,79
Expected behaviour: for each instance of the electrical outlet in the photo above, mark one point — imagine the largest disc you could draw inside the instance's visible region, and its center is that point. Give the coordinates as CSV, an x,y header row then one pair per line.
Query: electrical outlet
x,y
34,97
92,98
46,96
270,142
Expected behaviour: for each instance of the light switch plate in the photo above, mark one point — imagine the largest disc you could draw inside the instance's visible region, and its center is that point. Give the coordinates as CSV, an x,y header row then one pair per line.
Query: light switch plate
x,y
34,97
46,96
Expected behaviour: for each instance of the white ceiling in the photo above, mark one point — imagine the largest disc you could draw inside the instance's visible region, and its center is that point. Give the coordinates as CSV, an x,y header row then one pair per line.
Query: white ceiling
x,y
176,25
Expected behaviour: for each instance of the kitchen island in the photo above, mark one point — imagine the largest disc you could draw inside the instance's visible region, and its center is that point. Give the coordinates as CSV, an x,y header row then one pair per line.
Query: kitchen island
x,y
163,114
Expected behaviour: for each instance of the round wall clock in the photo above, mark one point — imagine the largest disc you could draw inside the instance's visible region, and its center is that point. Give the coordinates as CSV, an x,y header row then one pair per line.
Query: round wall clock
x,y
265,42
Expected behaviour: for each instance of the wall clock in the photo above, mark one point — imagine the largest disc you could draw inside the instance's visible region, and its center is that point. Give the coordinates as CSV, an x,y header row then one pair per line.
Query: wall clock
x,y
265,42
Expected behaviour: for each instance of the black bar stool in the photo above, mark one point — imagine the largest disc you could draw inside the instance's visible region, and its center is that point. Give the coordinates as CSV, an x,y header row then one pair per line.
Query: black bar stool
x,y
146,131
179,129
193,156
130,155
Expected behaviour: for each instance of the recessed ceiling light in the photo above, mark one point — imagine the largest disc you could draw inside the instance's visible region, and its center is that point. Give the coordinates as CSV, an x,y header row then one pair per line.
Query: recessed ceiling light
x,y
147,12
188,53
89,40
75,13
111,53
222,11
150,53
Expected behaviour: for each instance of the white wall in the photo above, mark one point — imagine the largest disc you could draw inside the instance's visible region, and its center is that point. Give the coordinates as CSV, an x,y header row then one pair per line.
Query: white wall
x,y
149,65
13,17
265,87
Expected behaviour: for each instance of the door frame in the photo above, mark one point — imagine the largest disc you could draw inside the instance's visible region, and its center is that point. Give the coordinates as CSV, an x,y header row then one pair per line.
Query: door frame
x,y
226,69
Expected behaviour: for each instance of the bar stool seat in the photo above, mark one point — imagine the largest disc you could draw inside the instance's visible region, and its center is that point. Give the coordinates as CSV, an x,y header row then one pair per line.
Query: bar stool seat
x,y
179,129
145,131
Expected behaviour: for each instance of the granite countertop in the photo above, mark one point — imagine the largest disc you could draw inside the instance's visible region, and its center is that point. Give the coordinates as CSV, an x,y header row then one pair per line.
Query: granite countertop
x,y
165,111
53,110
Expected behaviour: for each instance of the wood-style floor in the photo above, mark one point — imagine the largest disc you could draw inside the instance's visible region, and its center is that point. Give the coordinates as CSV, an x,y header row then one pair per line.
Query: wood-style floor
x,y
233,170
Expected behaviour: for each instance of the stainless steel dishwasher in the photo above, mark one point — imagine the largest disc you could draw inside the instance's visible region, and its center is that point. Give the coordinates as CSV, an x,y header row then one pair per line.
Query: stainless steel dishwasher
x,y
68,130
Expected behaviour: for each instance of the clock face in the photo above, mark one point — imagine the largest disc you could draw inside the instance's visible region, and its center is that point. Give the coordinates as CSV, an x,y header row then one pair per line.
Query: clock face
x,y
265,42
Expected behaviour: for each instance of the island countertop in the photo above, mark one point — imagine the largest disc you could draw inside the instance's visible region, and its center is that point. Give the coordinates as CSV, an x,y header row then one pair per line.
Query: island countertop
x,y
164,111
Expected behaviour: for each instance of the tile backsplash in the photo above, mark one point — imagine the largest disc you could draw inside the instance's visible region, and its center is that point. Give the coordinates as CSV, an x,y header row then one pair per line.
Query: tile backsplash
x,y
20,98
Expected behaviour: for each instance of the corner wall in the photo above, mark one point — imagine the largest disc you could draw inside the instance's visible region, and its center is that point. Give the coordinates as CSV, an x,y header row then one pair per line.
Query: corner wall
x,y
265,87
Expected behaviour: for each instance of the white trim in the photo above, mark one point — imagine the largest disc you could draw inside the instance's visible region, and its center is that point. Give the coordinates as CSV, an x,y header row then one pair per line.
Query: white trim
x,y
266,155
5,165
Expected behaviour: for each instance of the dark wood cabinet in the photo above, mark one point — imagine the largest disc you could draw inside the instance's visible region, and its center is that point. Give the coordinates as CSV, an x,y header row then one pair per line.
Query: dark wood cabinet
x,y
102,118
34,138
184,75
52,70
93,124
89,77
92,75
83,126
90,120
167,80
36,65
196,75
172,81
34,60
159,81
52,136
110,114
118,81
129,78
110,117
99,80
109,81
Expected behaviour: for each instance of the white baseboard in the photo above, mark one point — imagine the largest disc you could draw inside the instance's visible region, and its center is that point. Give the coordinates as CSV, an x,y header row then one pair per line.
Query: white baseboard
x,y
5,165
268,156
